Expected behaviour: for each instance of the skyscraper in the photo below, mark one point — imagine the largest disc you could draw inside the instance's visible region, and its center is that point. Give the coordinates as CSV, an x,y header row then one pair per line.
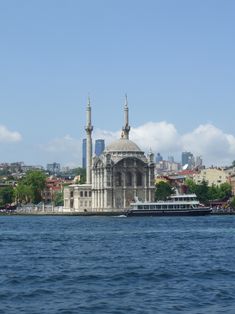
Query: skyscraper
x,y
99,147
188,159
53,168
84,153
159,158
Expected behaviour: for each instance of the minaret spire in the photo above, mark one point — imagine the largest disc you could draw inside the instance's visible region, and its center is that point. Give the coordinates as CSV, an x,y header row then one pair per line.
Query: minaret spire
x,y
126,128
89,129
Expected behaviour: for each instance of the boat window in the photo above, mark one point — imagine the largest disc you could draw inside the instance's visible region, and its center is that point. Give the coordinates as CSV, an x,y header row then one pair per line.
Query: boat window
x,y
164,206
152,207
140,207
146,207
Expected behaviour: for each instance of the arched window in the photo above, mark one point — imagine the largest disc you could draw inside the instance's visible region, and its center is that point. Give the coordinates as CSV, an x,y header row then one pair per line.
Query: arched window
x,y
129,179
118,178
139,179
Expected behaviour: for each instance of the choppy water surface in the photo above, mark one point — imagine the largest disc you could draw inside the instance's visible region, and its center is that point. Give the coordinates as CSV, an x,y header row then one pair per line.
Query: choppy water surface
x,y
117,265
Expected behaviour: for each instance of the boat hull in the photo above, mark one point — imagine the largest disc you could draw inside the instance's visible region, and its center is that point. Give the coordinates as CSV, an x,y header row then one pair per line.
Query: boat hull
x,y
190,212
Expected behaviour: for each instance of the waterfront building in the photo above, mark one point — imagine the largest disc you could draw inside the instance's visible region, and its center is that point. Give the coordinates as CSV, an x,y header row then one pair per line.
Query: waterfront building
x,y
213,176
99,147
121,173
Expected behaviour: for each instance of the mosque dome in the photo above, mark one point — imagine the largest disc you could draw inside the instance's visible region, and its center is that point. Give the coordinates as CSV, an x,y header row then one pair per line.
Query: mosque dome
x,y
122,145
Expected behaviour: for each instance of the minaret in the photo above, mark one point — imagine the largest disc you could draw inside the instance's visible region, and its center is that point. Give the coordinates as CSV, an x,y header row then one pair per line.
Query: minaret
x,y
126,128
89,129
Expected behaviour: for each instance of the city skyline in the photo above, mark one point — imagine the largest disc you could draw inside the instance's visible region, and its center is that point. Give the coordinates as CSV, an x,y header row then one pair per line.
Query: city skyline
x,y
175,62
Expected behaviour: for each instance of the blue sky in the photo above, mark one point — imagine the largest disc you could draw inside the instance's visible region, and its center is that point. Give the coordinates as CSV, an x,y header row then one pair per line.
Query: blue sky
x,y
174,59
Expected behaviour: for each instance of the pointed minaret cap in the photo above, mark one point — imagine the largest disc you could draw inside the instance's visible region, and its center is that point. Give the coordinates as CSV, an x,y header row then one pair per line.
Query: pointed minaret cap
x,y
88,101
126,101
126,128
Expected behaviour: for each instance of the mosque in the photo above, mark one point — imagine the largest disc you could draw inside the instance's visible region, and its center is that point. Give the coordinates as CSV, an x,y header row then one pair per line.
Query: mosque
x,y
115,178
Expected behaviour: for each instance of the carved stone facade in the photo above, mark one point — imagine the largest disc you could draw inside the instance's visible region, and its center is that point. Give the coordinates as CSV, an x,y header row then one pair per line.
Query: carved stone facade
x,y
118,176
78,198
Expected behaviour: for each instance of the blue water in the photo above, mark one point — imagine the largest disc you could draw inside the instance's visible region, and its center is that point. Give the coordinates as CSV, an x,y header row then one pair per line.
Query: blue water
x,y
117,265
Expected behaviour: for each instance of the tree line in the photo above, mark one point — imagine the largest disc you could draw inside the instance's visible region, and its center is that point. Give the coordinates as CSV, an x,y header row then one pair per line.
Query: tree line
x,y
204,193
30,188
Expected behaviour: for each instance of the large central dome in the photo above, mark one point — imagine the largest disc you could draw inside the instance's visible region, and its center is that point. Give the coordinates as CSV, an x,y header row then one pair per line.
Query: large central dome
x,y
122,145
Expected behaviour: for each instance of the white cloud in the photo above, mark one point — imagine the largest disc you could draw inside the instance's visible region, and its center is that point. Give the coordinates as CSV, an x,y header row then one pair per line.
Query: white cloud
x,y
7,136
159,136
67,150
215,146
109,136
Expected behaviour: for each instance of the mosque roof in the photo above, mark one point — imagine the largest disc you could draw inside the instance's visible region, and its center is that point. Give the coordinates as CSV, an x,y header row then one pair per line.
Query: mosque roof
x,y
122,145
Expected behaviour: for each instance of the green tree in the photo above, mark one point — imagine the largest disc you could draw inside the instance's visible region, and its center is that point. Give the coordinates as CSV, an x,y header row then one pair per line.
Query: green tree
x,y
191,185
82,173
6,195
59,199
232,204
225,191
213,192
202,192
30,188
163,191
23,193
205,193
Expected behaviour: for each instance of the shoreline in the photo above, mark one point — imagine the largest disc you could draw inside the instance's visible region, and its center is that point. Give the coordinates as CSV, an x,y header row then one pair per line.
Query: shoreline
x,y
98,214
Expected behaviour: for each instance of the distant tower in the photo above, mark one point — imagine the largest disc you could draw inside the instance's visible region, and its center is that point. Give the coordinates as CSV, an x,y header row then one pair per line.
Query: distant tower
x,y
84,153
126,128
99,147
89,129
188,159
159,158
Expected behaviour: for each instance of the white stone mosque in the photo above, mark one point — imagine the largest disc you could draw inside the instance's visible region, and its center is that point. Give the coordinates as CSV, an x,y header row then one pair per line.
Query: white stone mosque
x,y
115,178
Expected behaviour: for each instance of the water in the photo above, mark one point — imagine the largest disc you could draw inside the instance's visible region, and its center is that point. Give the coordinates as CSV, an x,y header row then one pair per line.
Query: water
x,y
117,265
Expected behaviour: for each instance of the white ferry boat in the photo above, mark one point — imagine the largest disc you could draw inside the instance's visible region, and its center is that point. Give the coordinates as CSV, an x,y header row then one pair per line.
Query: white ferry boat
x,y
176,205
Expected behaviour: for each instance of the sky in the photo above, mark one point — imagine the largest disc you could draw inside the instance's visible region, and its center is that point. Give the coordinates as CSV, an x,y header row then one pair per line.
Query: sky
x,y
174,59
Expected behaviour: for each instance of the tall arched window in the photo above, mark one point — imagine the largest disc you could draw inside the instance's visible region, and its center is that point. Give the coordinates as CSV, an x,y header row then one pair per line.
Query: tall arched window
x,y
139,179
118,178
129,179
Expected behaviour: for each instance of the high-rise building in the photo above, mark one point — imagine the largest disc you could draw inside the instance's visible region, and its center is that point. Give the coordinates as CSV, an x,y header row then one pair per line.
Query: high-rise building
x,y
99,147
84,153
188,159
171,159
159,158
53,168
199,162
